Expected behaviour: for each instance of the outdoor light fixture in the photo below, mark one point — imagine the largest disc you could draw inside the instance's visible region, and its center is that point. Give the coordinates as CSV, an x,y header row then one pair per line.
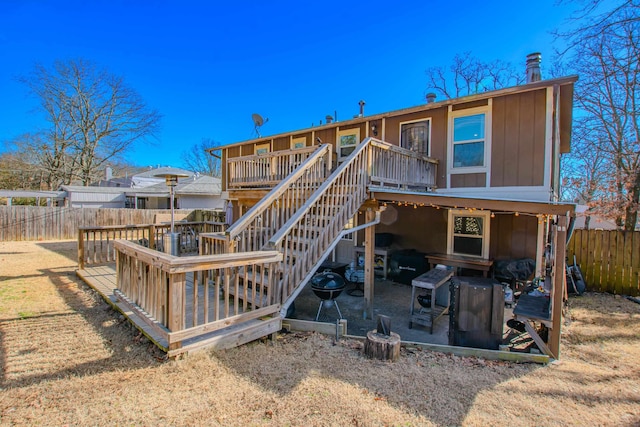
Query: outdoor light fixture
x,y
374,129
171,179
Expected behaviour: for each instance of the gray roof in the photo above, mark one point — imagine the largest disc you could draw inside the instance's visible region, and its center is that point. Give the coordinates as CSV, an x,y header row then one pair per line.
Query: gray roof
x,y
203,184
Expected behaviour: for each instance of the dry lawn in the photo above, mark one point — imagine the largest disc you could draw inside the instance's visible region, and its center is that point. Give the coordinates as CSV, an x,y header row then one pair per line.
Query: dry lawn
x,y
68,359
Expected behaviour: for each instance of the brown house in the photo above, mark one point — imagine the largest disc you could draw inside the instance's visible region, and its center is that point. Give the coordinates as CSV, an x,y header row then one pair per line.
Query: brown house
x,y
464,182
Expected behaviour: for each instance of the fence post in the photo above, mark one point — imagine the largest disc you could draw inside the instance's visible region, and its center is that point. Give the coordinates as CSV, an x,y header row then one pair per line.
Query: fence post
x,y
152,236
80,249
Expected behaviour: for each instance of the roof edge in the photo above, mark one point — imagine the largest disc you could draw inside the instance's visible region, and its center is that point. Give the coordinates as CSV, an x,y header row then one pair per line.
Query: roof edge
x,y
460,100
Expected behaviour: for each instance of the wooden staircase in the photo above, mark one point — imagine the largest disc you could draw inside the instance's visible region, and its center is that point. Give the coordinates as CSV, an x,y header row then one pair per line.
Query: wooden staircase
x,y
304,216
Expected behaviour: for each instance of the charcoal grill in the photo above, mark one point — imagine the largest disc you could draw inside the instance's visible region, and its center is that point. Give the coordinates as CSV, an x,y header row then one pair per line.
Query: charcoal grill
x,y
327,286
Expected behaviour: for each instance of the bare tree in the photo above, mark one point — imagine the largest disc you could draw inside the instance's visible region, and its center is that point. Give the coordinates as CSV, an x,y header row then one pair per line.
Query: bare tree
x,y
468,75
17,173
93,116
197,159
607,58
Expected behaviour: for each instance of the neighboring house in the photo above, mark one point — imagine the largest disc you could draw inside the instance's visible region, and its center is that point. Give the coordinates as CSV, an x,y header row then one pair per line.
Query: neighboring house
x,y
595,222
202,192
196,192
476,176
78,196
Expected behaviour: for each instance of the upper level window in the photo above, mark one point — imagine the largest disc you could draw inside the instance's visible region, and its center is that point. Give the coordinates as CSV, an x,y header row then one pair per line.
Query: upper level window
x,y
262,148
415,136
469,233
348,139
470,140
299,142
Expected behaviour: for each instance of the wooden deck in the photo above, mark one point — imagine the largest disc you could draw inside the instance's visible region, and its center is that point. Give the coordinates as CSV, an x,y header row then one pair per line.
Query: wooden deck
x,y
102,279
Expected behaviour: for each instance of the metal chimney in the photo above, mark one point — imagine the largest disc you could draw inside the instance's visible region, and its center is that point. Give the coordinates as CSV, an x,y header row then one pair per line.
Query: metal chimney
x,y
328,118
108,174
431,97
361,103
533,67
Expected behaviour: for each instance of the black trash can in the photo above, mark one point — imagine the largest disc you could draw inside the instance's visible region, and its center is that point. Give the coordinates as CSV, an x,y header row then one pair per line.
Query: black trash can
x,y
476,313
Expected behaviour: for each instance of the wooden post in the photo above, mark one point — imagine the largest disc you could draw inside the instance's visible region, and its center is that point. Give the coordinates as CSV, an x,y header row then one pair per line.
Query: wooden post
x,y
559,277
175,321
80,250
382,347
369,278
152,236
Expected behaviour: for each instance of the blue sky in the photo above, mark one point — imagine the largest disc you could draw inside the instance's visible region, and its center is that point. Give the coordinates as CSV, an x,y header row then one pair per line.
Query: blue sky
x,y
206,67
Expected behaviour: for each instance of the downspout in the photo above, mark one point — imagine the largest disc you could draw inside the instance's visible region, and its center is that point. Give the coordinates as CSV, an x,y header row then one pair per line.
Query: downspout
x,y
556,144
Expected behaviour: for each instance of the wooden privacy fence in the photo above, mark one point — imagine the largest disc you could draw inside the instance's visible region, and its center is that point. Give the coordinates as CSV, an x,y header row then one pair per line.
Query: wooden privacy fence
x,y
609,259
57,223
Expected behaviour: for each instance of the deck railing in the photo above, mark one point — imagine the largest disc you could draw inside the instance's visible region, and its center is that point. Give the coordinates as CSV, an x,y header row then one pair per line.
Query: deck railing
x,y
267,169
254,229
187,297
397,167
96,244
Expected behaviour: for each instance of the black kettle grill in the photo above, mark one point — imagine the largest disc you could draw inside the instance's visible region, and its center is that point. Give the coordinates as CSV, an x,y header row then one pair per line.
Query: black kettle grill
x,y
327,286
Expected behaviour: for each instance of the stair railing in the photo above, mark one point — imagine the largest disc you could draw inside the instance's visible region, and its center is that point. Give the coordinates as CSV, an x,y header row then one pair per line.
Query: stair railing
x,y
254,229
309,235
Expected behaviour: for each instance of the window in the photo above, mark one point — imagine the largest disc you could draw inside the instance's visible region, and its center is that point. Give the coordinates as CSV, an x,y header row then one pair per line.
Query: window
x,y
299,142
415,136
349,226
347,142
469,133
468,233
261,148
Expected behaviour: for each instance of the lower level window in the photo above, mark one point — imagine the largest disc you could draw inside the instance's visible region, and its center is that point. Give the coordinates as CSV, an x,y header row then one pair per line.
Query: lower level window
x,y
469,233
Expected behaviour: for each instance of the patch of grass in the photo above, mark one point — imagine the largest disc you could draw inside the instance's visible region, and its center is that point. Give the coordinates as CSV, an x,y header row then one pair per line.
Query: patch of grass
x,y
26,314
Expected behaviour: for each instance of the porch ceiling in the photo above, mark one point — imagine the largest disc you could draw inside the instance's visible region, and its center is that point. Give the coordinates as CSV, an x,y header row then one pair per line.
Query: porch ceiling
x,y
521,206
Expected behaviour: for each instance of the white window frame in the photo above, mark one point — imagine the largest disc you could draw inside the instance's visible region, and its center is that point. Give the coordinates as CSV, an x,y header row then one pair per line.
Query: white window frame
x,y
298,142
426,119
486,167
485,215
351,224
263,148
346,132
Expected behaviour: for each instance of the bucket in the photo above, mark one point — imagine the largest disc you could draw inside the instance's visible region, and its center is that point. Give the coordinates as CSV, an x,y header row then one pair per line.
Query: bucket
x,y
508,294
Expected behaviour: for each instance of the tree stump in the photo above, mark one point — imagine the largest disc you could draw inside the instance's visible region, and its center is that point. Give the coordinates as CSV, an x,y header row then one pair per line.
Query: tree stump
x,y
382,347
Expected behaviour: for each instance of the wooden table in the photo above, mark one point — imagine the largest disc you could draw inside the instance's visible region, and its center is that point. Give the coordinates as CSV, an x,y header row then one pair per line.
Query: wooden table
x,y
430,282
459,261
530,309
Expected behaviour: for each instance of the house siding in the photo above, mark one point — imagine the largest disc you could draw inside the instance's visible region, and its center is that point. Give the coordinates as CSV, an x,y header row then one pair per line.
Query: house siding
x,y
513,237
518,139
468,180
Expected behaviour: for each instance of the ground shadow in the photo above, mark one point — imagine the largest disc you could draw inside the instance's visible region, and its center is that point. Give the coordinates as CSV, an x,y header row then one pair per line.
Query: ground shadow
x,y
43,337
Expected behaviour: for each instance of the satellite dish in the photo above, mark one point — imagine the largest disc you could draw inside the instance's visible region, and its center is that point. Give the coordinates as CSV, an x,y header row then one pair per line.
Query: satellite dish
x,y
257,122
